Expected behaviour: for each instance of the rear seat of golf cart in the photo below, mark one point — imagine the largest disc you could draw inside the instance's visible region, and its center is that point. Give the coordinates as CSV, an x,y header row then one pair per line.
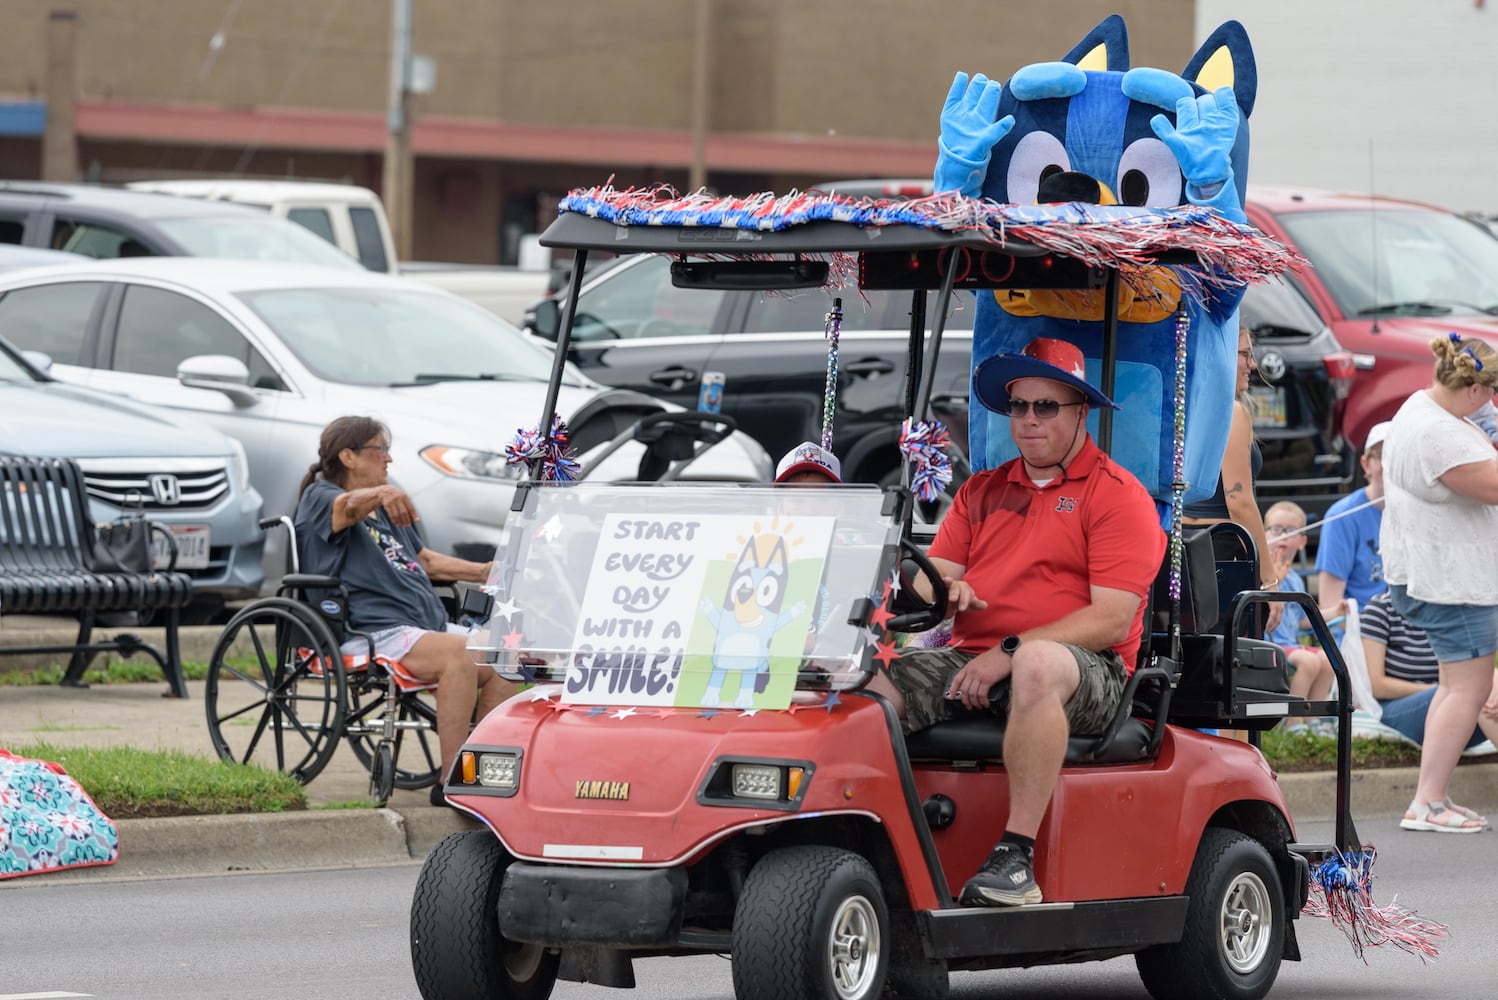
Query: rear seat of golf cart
x,y
1220,679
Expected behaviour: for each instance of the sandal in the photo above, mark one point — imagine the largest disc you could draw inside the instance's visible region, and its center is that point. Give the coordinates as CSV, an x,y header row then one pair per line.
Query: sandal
x,y
1469,813
1419,817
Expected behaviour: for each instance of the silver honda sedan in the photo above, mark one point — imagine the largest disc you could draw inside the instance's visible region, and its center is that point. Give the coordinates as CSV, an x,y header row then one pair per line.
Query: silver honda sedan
x,y
269,353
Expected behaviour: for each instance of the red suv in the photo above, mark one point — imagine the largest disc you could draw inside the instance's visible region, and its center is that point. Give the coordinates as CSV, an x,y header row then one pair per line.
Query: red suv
x,y
1386,276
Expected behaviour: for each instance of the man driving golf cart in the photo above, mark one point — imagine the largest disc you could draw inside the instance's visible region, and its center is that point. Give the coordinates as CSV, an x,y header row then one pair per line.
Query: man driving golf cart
x,y
1048,559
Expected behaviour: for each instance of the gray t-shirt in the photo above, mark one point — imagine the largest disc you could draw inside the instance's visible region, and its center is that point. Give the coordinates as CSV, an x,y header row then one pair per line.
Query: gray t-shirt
x,y
376,560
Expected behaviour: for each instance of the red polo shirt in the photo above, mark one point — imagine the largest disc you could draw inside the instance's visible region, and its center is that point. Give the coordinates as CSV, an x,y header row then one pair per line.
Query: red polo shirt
x,y
1034,552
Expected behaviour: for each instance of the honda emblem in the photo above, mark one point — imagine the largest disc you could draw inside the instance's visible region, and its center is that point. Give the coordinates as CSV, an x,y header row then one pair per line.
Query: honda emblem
x,y
166,490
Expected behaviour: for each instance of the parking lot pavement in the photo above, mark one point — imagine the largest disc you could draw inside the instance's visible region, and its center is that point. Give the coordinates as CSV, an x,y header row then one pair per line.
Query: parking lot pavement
x,y
137,715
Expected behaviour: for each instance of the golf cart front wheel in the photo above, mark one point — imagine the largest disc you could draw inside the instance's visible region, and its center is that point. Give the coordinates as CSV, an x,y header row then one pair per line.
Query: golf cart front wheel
x,y
811,922
1235,926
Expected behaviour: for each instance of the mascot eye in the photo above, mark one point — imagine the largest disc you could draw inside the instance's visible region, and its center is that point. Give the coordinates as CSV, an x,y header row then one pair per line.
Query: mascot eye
x,y
769,589
1148,175
1036,156
742,587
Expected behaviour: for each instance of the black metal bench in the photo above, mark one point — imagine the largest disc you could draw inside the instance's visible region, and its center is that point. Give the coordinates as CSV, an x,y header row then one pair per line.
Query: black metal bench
x,y
46,545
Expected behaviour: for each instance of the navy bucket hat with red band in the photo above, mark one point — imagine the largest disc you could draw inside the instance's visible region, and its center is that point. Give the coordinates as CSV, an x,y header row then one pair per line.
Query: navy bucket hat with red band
x,y
1042,357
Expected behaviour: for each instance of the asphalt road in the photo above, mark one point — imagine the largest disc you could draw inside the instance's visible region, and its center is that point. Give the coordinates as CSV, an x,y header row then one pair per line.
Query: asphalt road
x,y
332,935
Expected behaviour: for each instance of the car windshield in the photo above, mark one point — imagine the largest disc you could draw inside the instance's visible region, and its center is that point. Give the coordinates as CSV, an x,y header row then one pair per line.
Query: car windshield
x,y
1428,263
390,336
252,237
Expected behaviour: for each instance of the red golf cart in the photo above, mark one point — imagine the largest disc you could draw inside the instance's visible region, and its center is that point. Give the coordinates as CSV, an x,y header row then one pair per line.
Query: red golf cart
x,y
682,778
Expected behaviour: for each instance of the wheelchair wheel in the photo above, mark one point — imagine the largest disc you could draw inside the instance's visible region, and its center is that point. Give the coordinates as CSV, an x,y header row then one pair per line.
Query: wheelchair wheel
x,y
416,757
382,775
275,692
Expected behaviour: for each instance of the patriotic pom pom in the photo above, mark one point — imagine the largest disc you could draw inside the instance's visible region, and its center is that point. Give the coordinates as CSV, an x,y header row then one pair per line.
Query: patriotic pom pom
x,y
1342,892
557,464
924,443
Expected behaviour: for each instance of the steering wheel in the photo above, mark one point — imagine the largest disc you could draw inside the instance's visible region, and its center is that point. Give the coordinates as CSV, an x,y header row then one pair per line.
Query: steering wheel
x,y
912,612
673,436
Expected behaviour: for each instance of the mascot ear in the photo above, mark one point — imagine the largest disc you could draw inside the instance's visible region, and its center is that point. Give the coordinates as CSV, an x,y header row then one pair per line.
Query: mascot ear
x,y
1227,60
1105,47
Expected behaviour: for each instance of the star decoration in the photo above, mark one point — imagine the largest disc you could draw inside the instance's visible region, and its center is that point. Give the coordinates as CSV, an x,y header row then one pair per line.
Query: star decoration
x,y
512,639
543,693
596,710
748,712
894,580
832,699
793,708
623,713
664,713
505,608
881,616
560,706
708,713
886,654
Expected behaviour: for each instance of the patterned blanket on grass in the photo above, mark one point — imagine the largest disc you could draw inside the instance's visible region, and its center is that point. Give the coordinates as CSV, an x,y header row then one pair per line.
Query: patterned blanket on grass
x,y
48,822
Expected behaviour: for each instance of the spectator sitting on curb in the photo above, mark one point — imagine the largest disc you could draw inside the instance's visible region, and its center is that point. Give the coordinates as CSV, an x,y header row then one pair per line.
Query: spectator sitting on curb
x,y
1311,676
1348,563
1402,672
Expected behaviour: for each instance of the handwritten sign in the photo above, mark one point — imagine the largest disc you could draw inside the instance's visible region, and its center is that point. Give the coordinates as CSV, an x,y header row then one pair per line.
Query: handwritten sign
x,y
709,610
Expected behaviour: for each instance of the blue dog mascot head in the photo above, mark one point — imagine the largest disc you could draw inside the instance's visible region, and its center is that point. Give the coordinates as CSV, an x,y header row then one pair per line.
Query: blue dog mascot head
x,y
1090,129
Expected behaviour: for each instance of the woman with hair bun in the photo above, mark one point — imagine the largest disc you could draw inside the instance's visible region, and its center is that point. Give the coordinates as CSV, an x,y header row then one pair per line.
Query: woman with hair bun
x,y
1439,541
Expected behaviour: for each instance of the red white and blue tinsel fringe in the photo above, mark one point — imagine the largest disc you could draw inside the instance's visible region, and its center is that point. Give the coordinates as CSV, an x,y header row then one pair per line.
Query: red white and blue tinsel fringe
x,y
557,464
1342,892
1116,236
925,443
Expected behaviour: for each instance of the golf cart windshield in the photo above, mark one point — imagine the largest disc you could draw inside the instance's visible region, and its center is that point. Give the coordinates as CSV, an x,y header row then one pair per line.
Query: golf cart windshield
x,y
689,594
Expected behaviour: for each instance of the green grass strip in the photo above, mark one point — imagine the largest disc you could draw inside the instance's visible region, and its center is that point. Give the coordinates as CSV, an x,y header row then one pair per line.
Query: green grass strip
x,y
127,783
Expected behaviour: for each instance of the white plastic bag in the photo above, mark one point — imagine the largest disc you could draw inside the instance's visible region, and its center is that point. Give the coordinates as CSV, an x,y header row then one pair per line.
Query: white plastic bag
x,y
1357,664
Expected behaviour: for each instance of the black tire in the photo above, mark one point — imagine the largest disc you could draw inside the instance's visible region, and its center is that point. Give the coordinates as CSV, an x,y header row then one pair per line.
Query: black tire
x,y
1235,926
458,950
418,757
811,922
275,691
382,775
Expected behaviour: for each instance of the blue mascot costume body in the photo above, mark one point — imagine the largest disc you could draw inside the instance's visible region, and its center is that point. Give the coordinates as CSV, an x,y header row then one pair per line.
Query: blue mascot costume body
x,y
1090,129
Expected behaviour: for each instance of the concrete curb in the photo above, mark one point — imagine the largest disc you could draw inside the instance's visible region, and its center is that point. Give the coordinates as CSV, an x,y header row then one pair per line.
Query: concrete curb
x,y
352,838
197,641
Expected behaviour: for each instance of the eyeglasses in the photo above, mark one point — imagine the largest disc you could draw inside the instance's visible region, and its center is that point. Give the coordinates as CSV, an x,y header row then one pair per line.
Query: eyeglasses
x,y
1278,529
1045,409
383,449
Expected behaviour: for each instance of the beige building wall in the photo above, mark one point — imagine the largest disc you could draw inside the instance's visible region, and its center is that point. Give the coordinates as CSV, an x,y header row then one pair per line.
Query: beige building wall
x,y
875,69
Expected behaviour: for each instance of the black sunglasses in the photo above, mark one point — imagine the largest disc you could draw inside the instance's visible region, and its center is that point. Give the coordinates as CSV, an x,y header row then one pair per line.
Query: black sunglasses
x,y
1045,409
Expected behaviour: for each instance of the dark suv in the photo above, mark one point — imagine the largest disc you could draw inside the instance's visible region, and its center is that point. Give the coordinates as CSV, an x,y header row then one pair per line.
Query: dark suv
x,y
636,330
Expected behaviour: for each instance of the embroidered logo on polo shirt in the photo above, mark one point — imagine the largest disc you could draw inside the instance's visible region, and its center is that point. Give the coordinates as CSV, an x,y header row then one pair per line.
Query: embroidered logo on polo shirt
x,y
1066,505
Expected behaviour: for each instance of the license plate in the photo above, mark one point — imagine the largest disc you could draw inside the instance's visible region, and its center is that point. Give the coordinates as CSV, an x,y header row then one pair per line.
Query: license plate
x,y
1268,405
192,547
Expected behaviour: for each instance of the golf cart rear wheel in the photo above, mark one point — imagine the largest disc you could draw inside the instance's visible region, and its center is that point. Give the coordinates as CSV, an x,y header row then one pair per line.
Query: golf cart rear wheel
x,y
811,922
458,949
1235,926
275,689
417,756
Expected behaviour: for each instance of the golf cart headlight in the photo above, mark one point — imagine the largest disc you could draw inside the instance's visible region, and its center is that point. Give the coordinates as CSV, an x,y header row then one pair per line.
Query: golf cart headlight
x,y
756,781
499,770
465,463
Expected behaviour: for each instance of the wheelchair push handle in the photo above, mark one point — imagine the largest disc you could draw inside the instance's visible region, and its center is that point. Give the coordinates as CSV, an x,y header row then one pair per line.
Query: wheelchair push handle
x,y
267,523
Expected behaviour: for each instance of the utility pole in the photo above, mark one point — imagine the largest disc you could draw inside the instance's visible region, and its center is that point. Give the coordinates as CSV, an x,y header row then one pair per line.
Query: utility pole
x,y
397,185
60,140
701,36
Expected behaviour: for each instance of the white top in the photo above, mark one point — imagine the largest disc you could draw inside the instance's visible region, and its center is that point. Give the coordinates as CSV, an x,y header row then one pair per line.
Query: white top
x,y
1442,546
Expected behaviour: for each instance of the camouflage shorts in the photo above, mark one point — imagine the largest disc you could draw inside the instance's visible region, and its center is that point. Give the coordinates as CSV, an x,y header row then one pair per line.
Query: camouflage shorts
x,y
924,676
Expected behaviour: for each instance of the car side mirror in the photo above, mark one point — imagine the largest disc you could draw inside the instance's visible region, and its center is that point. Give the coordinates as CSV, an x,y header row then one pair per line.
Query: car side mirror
x,y
545,319
220,373
40,361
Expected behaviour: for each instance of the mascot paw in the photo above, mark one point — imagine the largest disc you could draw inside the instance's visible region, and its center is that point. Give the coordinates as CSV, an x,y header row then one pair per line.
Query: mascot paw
x,y
1203,136
969,133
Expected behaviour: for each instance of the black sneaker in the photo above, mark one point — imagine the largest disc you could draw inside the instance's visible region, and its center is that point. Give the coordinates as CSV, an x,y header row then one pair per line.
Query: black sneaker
x,y
1005,879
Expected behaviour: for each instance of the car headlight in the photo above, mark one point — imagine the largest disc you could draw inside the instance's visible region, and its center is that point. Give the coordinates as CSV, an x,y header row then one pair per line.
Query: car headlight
x,y
239,466
466,463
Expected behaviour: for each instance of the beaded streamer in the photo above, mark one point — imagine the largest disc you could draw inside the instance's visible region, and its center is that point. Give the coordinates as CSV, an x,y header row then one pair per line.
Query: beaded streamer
x,y
1178,456
829,392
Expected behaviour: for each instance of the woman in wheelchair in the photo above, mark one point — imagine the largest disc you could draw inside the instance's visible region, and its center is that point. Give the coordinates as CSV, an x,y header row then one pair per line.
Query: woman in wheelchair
x,y
353,524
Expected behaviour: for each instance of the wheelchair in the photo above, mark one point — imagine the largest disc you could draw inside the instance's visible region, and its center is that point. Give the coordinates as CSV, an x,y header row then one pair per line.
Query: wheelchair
x,y
281,692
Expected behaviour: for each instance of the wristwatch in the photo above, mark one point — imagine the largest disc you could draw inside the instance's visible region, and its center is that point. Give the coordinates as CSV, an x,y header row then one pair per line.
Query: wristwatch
x,y
1009,644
